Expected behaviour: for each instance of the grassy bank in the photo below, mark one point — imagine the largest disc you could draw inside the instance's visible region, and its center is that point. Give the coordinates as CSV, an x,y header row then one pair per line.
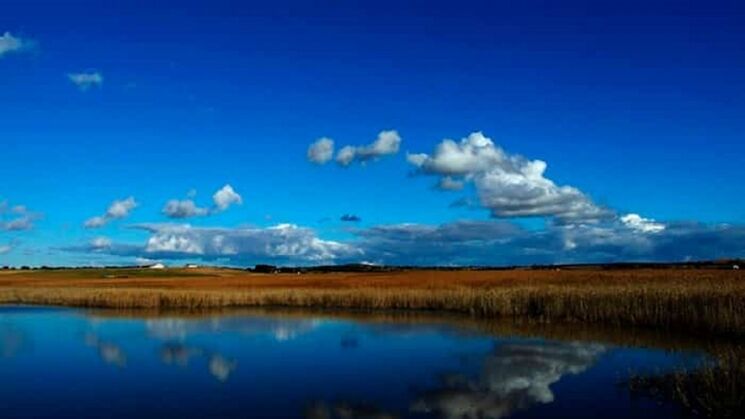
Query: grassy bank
x,y
694,301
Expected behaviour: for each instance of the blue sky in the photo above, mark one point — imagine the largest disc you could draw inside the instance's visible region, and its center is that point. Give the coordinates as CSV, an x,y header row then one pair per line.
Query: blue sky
x,y
637,108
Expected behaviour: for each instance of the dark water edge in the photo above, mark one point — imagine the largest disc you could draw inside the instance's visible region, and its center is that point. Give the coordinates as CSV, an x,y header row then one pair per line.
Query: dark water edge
x,y
58,362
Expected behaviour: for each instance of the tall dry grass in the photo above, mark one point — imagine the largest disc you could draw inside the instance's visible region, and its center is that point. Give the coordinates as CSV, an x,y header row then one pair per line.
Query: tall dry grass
x,y
701,308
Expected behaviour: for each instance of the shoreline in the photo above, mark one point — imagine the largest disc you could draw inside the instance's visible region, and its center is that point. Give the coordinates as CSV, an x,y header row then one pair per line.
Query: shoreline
x,y
700,302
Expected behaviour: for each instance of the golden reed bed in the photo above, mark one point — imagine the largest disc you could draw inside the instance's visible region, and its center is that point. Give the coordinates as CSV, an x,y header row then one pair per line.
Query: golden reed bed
x,y
692,300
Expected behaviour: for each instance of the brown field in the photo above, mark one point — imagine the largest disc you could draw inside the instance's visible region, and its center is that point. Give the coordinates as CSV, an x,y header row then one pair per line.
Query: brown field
x,y
697,301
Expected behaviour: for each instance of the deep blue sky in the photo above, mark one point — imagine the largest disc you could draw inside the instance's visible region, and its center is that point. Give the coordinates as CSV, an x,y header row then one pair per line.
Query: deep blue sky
x,y
638,105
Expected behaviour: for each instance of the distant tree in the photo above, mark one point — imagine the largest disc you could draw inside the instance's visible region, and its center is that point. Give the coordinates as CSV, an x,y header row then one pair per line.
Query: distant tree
x,y
265,269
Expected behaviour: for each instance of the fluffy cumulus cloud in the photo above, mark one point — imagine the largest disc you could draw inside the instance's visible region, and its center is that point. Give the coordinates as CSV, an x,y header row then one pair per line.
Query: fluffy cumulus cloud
x,y
10,44
508,185
346,155
16,217
223,199
321,151
186,208
283,243
641,224
387,143
461,243
117,210
513,377
86,80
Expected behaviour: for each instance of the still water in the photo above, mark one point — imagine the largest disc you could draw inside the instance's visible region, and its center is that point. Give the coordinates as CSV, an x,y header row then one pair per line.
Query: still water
x,y
72,363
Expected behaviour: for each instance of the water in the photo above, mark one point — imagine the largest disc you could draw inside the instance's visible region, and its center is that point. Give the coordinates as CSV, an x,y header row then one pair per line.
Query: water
x,y
72,363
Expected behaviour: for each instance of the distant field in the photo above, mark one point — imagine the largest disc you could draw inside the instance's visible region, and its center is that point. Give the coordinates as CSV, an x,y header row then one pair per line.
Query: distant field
x,y
229,279
694,300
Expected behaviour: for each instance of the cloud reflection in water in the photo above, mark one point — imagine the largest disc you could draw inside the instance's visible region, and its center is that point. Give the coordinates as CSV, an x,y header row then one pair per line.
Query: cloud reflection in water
x,y
281,330
177,331
178,354
110,352
513,377
221,367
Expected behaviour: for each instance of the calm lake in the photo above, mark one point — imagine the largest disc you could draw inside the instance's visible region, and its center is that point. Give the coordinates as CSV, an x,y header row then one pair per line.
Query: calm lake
x,y
76,363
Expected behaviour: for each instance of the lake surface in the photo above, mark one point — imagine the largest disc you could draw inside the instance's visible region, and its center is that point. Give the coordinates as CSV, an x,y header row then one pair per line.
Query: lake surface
x,y
74,363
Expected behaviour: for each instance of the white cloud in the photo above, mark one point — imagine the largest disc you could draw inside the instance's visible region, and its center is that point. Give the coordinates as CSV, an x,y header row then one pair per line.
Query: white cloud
x,y
507,185
321,151
225,197
461,243
346,155
283,242
641,224
18,224
183,209
178,241
5,248
86,80
117,210
222,199
447,183
16,218
387,143
100,243
95,222
10,43
121,209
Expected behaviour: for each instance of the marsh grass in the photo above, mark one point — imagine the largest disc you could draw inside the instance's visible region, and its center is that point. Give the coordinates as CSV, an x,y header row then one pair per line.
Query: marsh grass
x,y
698,309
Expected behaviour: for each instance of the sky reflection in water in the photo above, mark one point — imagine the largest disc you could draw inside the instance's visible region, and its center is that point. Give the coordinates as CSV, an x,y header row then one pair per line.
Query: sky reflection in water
x,y
68,363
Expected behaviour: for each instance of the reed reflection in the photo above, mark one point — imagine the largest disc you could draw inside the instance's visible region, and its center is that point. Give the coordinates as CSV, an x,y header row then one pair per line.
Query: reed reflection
x,y
346,410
